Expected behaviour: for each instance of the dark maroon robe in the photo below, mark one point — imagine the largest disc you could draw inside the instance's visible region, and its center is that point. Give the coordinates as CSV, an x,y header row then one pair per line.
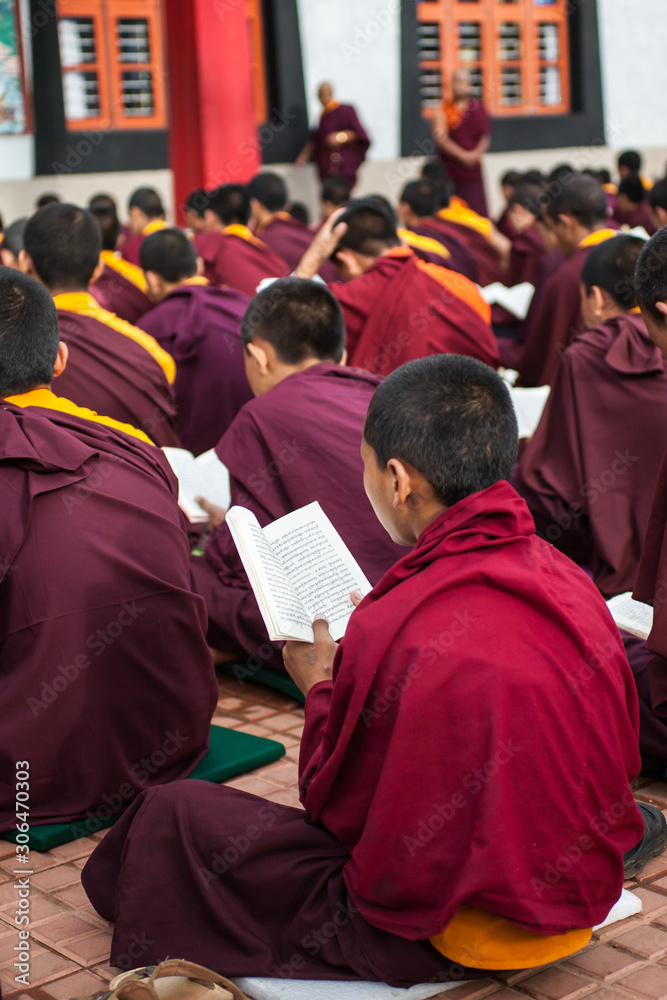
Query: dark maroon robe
x,y
345,160
295,444
107,683
115,293
461,259
131,246
469,181
505,225
290,239
486,258
238,263
433,726
589,471
642,216
397,311
512,350
200,326
114,375
525,261
554,322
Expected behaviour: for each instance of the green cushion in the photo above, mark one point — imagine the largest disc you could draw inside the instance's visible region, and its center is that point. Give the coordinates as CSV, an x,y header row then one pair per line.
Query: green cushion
x,y
230,753
262,675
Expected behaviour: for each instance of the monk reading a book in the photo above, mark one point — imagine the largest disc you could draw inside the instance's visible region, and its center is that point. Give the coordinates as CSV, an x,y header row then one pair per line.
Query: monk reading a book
x,y
107,683
465,745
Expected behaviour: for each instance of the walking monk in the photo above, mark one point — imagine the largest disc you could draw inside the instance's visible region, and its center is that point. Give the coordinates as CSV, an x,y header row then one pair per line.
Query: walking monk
x,y
107,684
437,713
396,306
339,143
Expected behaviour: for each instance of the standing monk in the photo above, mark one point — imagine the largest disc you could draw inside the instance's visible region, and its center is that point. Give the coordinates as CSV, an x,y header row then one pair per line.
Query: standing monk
x,y
339,143
114,368
437,713
200,326
461,132
107,684
396,306
576,212
231,252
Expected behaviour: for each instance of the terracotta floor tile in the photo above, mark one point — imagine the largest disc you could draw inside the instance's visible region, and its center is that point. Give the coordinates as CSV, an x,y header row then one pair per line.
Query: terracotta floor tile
x,y
474,990
46,965
38,861
254,730
650,982
603,962
653,868
653,903
514,976
557,984
253,713
91,949
230,704
613,930
63,928
42,907
81,983
604,993
287,797
250,783
649,942
106,972
505,993
55,878
75,849
73,896
284,721
286,772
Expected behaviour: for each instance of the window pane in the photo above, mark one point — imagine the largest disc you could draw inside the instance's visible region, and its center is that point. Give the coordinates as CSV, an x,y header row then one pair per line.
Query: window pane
x,y
470,41
548,42
76,36
509,41
430,88
428,42
137,94
550,85
510,87
133,40
81,92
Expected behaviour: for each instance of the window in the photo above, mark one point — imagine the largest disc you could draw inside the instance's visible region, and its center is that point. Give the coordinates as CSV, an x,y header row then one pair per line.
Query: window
x,y
515,50
257,64
112,65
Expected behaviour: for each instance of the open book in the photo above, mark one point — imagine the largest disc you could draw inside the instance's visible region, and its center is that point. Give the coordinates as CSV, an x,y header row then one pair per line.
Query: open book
x,y
529,405
298,567
204,476
632,616
516,299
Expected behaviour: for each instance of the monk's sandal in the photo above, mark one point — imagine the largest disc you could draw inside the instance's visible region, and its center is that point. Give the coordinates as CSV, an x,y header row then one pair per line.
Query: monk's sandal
x,y
174,979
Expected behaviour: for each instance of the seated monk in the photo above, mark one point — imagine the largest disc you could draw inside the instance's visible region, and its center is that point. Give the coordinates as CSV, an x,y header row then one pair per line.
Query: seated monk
x,y
194,210
524,214
649,659
489,247
657,199
147,215
508,183
632,205
416,209
114,368
284,234
200,326
576,212
295,443
108,686
120,287
334,194
457,754
232,254
630,162
12,243
425,247
589,472
397,307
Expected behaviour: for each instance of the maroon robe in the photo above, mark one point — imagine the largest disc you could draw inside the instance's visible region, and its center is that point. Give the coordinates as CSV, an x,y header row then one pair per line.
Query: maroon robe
x,y
114,375
397,311
433,726
131,246
238,263
589,471
512,350
345,160
469,181
115,293
505,225
295,444
200,326
554,322
461,258
290,239
107,683
486,258
528,251
642,216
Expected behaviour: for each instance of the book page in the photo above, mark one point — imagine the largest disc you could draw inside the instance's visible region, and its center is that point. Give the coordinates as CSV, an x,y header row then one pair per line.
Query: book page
x,y
515,300
318,564
204,476
529,405
284,614
632,616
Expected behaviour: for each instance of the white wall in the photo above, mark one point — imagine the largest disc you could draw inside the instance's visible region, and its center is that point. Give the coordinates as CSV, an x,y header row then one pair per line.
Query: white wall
x,y
633,38
17,155
356,46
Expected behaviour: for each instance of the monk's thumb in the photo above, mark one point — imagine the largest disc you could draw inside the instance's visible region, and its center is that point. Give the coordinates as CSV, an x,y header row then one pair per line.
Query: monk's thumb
x,y
320,626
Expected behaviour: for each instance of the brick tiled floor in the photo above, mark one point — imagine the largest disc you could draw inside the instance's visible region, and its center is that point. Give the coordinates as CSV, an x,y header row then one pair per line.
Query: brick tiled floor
x,y
70,942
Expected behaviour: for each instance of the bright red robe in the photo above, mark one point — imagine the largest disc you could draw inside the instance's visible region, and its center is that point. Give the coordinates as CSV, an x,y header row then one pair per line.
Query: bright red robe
x,y
589,471
398,311
237,262
423,773
107,684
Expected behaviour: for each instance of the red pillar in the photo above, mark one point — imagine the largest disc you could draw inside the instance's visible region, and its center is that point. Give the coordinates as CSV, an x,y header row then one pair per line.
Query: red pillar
x,y
212,134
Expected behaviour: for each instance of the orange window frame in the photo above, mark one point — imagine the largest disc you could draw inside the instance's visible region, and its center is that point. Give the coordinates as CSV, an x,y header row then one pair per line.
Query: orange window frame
x,y
490,15
105,15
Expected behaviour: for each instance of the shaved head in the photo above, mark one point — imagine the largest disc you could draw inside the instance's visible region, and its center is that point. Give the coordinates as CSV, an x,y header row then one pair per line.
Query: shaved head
x,y
325,93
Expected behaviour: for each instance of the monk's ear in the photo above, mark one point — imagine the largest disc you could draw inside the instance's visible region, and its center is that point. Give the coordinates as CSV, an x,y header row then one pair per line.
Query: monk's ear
x,y
260,356
201,267
599,299
155,284
61,359
662,308
97,273
400,477
25,263
343,360
350,262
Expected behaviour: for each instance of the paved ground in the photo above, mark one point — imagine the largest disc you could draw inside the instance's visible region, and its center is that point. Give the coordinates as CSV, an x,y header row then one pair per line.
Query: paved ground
x,y
70,943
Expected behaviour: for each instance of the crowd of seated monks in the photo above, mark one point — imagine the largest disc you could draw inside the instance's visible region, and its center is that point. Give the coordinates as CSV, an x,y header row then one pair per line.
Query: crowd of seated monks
x,y
357,363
